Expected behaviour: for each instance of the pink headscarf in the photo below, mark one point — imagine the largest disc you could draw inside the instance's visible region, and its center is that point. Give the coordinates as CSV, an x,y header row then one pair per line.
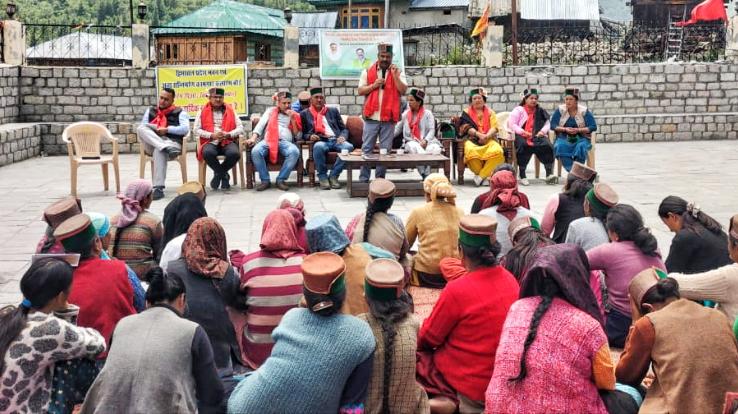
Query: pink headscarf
x,y
131,200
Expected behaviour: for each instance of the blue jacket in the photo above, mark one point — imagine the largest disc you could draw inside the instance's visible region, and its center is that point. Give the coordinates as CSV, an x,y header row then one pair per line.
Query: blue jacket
x,y
332,117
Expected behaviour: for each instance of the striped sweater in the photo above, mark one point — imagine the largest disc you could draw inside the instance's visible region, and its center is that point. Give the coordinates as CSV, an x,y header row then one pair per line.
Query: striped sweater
x,y
139,244
273,286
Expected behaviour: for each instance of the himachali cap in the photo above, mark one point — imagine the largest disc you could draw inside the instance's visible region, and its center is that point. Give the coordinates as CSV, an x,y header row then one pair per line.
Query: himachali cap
x,y
643,282
284,94
193,187
381,188
418,94
477,230
75,233
531,91
572,92
216,92
602,197
733,228
521,223
385,279
478,91
324,234
322,273
316,91
384,48
61,210
580,170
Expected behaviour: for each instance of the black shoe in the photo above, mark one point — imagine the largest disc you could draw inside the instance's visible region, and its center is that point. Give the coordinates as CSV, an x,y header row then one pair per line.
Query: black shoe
x,y
215,182
263,186
158,193
173,153
225,182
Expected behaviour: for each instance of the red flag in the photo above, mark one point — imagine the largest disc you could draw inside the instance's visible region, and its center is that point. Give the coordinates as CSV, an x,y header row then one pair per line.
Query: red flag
x,y
706,11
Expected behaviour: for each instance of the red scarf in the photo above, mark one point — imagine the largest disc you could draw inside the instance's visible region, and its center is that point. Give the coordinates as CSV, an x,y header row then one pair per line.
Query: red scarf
x,y
530,123
484,127
390,110
206,123
505,194
160,120
319,119
415,123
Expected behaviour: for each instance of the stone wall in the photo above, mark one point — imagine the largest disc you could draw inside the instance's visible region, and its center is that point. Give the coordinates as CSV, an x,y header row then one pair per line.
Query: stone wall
x,y
19,142
9,96
638,102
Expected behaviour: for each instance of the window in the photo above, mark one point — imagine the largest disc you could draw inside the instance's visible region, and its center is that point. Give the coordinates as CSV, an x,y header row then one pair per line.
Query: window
x,y
362,17
447,12
262,51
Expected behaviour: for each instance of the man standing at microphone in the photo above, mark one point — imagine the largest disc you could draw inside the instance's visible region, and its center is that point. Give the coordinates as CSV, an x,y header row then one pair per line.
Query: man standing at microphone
x,y
382,84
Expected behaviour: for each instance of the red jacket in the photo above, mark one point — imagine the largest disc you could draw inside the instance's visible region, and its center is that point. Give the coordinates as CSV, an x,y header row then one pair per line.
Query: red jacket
x,y
104,295
465,327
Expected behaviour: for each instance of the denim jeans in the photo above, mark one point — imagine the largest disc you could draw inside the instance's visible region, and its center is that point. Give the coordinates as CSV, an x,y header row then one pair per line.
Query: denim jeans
x,y
260,155
385,131
320,150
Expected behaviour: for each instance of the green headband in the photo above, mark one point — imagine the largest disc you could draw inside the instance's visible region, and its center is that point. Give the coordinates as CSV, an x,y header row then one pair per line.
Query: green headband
x,y
572,92
475,92
660,273
379,293
75,243
595,203
474,240
284,94
532,91
315,91
338,286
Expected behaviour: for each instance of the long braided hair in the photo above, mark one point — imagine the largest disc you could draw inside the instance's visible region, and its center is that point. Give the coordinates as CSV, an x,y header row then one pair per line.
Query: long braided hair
x,y
389,313
526,244
548,290
380,205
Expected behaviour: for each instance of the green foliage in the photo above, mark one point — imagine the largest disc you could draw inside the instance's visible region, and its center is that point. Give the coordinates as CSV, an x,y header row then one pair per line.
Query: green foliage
x,y
117,12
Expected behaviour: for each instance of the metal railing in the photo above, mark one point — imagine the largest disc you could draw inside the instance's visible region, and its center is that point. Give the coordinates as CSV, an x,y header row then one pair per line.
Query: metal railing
x,y
439,45
612,43
77,45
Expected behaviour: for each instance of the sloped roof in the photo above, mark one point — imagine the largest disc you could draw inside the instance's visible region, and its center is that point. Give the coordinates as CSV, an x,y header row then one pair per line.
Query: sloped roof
x,y
324,3
438,4
227,15
83,45
311,23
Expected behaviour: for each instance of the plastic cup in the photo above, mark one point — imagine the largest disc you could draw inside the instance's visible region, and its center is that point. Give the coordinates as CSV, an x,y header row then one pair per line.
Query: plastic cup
x,y
400,152
344,151
383,151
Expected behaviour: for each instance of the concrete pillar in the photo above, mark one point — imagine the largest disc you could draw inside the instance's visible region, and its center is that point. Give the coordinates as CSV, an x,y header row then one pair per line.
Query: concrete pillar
x,y
731,46
140,47
14,44
493,47
291,46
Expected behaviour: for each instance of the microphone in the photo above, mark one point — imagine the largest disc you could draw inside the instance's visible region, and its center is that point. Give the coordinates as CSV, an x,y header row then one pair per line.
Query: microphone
x,y
384,76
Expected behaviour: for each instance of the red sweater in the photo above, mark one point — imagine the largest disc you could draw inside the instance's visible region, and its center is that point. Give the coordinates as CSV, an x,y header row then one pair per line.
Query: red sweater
x,y
465,327
104,295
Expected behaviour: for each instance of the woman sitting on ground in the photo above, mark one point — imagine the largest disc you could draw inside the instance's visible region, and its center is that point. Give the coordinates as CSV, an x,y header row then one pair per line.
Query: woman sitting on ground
x,y
574,125
175,353
589,231
179,214
529,122
553,354
54,215
136,232
212,287
527,239
270,279
321,361
700,244
392,388
418,129
39,334
478,124
690,348
567,206
504,205
480,200
458,341
632,249
294,204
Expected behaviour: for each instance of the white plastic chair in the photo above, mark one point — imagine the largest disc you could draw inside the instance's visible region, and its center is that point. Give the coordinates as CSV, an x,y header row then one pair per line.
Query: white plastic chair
x,y
84,147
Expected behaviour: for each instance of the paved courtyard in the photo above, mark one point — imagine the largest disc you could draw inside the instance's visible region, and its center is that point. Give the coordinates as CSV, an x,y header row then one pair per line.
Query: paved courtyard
x,y
642,173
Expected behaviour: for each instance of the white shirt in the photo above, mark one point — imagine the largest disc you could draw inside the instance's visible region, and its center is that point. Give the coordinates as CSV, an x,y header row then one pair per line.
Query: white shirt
x,y
172,251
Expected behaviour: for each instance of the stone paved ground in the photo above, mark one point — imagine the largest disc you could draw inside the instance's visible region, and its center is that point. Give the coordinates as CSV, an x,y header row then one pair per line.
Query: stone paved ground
x,y
643,173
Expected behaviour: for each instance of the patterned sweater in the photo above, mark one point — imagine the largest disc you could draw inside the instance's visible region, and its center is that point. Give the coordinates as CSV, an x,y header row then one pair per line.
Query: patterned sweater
x,y
29,361
139,244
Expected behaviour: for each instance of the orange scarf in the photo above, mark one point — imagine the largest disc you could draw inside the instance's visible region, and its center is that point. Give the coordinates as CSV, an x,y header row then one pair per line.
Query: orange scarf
x,y
319,119
160,120
390,110
484,127
206,123
415,123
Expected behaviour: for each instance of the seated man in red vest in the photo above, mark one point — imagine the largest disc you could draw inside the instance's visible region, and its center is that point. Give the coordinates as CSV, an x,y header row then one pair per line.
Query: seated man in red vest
x,y
382,84
218,129
100,287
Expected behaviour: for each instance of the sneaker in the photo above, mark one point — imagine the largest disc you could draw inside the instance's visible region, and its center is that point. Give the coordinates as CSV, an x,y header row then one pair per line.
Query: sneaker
x,y
524,181
334,183
552,179
215,182
225,182
324,184
158,193
478,180
283,186
263,186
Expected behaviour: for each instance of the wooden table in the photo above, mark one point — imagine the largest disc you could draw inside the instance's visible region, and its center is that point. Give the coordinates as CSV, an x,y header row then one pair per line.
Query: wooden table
x,y
392,161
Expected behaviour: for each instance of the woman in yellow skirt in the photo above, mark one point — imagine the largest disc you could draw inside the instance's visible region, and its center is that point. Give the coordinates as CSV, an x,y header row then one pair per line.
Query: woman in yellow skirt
x,y
482,152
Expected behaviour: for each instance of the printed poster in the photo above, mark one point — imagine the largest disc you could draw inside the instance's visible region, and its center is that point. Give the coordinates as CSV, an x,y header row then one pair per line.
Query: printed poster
x,y
191,84
345,53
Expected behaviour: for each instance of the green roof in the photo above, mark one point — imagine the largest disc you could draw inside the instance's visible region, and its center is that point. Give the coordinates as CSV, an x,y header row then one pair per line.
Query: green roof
x,y
324,3
224,16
